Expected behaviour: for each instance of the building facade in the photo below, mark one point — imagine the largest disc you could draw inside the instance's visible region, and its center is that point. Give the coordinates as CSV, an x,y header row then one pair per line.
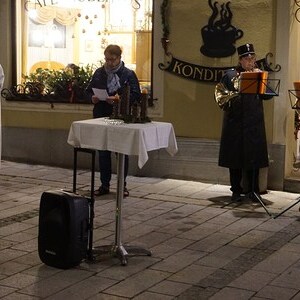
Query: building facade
x,y
36,132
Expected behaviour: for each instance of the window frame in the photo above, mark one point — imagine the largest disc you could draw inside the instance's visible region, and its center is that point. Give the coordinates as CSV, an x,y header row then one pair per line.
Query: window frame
x,y
157,75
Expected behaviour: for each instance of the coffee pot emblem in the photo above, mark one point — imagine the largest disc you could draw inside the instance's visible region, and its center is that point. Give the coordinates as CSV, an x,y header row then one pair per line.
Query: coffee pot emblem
x,y
219,36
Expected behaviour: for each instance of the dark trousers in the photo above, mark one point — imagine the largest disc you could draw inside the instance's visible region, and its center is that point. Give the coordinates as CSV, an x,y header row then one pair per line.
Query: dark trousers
x,y
105,167
251,181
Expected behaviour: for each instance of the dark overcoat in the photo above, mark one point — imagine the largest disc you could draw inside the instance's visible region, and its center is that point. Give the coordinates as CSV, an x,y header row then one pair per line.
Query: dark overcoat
x,y
243,140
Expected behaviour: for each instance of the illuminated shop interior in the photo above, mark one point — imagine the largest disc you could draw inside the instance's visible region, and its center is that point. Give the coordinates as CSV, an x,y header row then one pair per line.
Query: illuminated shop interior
x,y
53,34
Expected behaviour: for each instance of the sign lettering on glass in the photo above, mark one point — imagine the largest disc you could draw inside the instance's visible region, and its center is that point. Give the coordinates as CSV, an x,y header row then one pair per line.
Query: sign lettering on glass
x,y
42,3
39,3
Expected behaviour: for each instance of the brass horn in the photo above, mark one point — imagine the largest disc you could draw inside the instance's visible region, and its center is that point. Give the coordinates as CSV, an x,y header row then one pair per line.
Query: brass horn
x,y
223,95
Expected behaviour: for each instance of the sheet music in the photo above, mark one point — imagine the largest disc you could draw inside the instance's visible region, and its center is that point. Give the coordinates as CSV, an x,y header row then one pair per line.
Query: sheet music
x,y
253,82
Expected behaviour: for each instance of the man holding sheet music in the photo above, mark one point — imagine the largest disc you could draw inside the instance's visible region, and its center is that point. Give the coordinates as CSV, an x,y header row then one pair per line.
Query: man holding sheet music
x,y
106,84
243,146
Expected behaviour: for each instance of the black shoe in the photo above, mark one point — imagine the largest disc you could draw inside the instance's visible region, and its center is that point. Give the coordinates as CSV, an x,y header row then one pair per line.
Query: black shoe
x,y
101,191
236,197
126,193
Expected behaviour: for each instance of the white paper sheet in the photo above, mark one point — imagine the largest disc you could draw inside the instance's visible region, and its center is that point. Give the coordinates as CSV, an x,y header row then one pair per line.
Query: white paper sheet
x,y
100,93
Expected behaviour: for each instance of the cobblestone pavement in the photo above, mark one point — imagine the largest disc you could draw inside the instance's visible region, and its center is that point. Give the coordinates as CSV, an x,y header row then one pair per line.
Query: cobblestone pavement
x,y
203,245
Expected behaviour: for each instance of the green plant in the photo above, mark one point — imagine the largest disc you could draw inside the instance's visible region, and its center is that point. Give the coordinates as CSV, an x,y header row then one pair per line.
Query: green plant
x,y
68,83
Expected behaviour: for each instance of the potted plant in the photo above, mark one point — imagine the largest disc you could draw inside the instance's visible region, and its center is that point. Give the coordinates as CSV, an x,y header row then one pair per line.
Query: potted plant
x,y
65,85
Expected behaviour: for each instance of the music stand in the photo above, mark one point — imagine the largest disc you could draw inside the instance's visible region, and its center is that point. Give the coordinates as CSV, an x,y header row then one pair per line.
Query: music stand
x,y
296,104
257,196
287,208
258,83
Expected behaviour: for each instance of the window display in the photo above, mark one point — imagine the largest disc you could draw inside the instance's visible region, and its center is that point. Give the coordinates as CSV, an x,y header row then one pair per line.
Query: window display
x,y
57,34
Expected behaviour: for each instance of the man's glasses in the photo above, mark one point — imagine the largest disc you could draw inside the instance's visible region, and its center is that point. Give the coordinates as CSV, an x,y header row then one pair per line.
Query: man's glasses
x,y
111,59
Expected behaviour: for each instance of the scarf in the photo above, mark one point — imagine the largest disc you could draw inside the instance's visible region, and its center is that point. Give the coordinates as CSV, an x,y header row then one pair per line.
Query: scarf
x,y
113,80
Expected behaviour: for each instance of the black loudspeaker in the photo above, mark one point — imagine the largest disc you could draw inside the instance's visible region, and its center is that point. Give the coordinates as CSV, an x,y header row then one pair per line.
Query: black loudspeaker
x,y
63,229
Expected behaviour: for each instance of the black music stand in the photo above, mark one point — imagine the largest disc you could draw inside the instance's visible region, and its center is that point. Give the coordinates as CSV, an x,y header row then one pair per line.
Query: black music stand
x,y
257,196
287,208
255,84
294,104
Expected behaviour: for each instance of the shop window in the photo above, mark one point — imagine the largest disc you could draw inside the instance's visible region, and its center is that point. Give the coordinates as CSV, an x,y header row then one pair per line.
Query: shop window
x,y
58,36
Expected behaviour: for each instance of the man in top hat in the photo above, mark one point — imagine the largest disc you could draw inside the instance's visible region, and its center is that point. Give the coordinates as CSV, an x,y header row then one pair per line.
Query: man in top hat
x,y
243,146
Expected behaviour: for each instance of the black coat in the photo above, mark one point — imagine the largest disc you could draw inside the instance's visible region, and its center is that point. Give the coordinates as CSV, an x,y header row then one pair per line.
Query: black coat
x,y
243,140
99,81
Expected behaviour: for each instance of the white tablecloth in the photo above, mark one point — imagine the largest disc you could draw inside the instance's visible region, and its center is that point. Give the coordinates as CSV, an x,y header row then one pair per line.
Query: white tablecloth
x,y
116,136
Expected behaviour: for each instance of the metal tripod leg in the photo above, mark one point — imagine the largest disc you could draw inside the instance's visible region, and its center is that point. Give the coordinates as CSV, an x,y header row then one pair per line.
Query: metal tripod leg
x,y
288,208
255,176
261,202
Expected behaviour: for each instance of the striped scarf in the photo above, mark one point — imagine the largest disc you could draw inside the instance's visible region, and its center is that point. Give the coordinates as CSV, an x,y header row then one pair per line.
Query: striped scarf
x,y
113,80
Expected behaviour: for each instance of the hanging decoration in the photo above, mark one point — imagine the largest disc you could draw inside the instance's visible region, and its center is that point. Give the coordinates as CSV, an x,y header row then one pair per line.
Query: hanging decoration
x,y
136,4
64,16
297,12
164,10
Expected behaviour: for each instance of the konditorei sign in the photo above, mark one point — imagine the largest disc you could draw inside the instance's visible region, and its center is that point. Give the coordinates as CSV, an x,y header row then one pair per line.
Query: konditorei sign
x,y
192,71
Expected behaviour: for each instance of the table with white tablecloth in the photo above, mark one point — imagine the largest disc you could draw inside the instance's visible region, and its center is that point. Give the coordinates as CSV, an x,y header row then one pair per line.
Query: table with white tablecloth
x,y
124,139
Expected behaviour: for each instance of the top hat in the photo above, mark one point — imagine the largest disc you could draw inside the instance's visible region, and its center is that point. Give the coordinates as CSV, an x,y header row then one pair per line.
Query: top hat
x,y
245,50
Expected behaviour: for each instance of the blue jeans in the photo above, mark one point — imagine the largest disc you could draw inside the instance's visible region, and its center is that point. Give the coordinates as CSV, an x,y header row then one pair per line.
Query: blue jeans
x,y
105,167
